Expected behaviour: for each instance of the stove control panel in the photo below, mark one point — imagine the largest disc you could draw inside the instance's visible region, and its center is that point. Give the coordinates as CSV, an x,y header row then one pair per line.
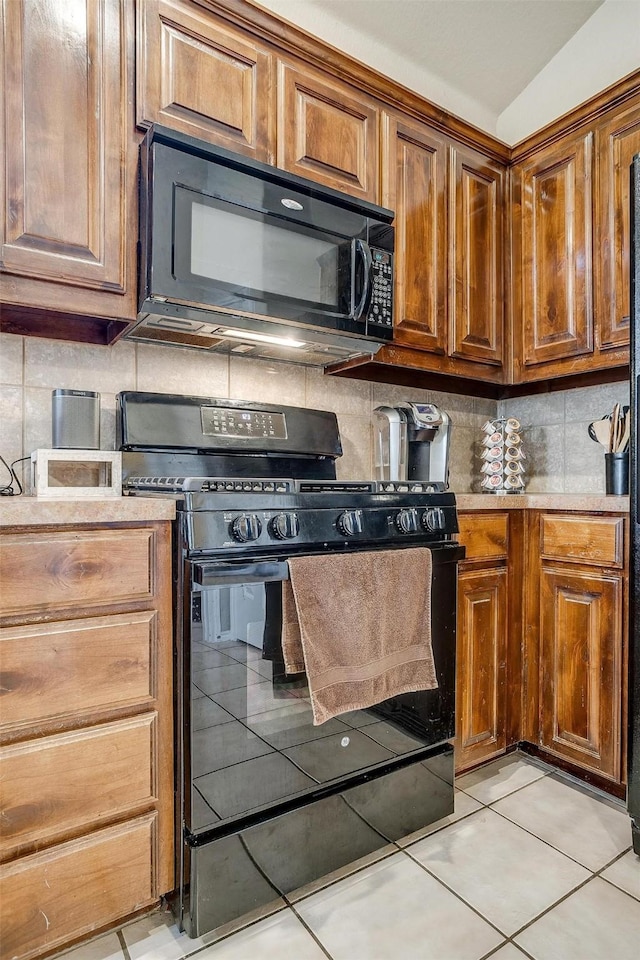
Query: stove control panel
x,y
300,526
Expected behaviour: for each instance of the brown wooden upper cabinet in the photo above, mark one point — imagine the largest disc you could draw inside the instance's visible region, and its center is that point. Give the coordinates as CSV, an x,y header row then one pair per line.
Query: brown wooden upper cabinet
x,y
449,206
617,140
199,76
70,206
327,132
553,228
414,185
476,250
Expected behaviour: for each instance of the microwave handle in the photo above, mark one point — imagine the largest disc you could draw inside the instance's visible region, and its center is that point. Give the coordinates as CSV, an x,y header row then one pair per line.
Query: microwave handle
x,y
214,573
364,250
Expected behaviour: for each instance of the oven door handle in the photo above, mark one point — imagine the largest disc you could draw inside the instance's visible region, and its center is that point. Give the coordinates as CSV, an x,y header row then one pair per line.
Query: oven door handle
x,y
258,571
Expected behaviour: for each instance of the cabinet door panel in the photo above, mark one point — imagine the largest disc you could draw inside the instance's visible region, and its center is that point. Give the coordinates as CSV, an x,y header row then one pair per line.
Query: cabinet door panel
x,y
414,186
481,652
617,140
77,887
201,78
327,133
66,123
476,296
556,226
581,637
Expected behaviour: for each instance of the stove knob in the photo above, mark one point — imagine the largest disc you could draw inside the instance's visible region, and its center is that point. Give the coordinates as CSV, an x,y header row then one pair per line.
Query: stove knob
x,y
285,526
407,521
350,523
434,519
246,527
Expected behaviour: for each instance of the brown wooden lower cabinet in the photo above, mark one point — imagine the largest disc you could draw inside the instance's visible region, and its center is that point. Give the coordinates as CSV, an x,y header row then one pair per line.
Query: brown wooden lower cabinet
x,y
581,667
481,647
86,730
482,638
55,896
541,650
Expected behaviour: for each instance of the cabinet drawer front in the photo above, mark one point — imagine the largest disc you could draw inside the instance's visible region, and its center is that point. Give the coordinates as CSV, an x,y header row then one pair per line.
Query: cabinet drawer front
x,y
485,535
70,668
597,540
49,898
54,785
59,570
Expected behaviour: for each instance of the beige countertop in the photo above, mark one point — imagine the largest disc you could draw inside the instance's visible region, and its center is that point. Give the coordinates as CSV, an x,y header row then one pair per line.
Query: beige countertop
x,y
582,502
29,511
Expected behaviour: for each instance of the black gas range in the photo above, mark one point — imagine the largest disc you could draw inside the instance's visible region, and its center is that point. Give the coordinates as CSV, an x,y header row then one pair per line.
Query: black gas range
x,y
268,801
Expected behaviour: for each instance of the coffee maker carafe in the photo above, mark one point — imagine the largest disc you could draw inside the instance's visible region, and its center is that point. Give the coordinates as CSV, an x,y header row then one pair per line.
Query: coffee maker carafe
x,y
411,442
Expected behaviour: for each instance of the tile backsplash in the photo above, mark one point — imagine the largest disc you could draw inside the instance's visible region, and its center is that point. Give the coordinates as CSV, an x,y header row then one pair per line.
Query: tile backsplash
x,y
561,457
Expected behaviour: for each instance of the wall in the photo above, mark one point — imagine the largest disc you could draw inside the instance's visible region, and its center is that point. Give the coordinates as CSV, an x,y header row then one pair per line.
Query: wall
x,y
377,53
31,367
605,49
561,457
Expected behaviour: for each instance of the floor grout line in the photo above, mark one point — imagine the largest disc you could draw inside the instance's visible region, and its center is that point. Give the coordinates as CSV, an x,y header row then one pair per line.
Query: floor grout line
x,y
395,848
310,931
509,794
123,945
557,849
456,894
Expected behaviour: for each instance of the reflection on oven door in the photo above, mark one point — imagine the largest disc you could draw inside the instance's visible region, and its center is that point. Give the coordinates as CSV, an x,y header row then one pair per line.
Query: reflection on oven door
x,y
253,743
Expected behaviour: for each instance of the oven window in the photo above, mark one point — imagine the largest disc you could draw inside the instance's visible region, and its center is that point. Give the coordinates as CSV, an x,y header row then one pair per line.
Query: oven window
x,y
252,738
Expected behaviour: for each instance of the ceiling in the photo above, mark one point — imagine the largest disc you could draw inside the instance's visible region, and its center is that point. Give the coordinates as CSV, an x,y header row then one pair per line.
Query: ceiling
x,y
489,50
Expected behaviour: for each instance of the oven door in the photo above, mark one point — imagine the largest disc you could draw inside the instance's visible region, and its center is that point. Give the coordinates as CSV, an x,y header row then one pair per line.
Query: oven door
x,y
249,743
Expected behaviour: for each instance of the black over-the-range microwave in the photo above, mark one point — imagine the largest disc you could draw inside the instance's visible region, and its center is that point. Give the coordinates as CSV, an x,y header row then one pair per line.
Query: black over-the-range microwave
x,y
240,257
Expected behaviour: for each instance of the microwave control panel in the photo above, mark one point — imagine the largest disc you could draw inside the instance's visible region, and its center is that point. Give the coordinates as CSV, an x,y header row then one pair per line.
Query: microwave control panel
x,y
381,309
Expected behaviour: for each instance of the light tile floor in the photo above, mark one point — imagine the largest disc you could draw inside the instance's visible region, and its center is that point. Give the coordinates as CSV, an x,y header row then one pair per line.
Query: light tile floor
x,y
531,864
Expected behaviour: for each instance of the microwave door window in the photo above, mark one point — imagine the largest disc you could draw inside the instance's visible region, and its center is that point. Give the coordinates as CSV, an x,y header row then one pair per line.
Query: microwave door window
x,y
247,260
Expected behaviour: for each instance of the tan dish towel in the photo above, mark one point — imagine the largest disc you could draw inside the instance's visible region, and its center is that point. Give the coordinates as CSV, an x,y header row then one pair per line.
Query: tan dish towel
x,y
359,625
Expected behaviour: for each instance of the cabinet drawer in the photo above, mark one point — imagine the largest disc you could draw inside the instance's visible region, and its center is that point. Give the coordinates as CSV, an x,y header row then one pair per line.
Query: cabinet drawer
x,y
54,785
76,666
579,539
51,897
485,535
57,571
